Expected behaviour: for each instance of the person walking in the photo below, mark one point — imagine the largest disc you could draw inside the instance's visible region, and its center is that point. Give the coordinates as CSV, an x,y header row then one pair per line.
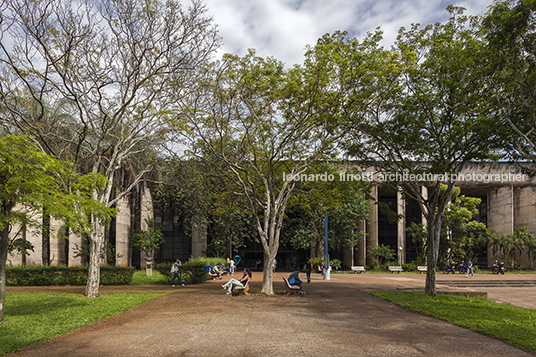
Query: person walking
x,y
470,269
308,269
175,271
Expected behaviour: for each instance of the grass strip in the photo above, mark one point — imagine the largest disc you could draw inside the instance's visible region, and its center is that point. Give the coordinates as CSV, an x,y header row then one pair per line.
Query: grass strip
x,y
514,325
34,317
140,278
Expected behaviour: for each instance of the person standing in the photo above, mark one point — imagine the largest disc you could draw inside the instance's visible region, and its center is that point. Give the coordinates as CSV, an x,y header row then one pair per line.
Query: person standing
x,y
175,271
470,269
308,269
231,266
274,265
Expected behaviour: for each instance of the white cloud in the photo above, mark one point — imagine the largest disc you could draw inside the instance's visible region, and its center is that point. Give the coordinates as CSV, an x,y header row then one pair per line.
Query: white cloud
x,y
282,28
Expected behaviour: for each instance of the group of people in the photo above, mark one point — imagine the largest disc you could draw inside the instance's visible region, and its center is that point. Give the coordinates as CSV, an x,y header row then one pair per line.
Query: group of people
x,y
293,279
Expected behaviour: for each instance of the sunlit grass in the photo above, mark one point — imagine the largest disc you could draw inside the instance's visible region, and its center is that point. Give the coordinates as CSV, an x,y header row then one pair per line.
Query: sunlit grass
x,y
33,317
515,325
140,278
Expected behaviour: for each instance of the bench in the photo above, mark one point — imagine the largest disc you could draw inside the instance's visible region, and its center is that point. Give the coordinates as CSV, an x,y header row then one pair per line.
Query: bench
x,y
215,276
291,288
237,290
358,268
422,268
395,269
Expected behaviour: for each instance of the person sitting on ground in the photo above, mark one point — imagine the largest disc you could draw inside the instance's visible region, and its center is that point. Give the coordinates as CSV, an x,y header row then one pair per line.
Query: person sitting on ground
x,y
241,283
294,279
217,271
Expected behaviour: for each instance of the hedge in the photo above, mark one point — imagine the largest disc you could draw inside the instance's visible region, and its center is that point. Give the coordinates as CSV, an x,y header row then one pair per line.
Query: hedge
x,y
40,275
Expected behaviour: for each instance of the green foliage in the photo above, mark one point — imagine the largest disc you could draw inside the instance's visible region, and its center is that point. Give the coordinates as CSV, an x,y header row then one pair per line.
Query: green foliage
x,y
335,264
34,317
316,262
381,254
460,234
192,271
508,28
344,201
514,325
148,240
39,275
33,180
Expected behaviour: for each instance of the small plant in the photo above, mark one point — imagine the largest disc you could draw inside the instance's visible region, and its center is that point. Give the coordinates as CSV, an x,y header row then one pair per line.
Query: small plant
x,y
148,241
335,263
381,254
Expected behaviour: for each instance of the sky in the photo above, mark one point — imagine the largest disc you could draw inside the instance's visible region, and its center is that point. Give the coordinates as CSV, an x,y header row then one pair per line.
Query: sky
x,y
283,28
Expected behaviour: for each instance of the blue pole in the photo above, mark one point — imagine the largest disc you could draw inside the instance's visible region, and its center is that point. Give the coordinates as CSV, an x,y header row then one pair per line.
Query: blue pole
x,y
326,274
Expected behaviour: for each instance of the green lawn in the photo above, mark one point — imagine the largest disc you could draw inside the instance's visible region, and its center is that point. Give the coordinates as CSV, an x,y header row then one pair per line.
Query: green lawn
x,y
515,325
33,317
140,278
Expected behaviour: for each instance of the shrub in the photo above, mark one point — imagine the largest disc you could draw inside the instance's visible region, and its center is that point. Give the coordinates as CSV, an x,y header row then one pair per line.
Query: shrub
x,y
335,263
316,262
41,275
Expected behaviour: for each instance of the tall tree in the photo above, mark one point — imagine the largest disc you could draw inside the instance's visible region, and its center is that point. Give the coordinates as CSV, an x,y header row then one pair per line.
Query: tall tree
x,y
428,115
266,124
116,62
509,29
29,180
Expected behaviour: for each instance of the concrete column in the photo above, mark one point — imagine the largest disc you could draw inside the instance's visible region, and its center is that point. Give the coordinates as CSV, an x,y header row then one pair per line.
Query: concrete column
x,y
57,242
500,213
76,242
34,236
122,232
360,256
525,214
348,258
199,236
401,226
372,226
16,258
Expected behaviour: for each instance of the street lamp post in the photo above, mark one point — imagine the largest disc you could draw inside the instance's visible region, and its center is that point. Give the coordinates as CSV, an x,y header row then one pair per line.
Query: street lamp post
x,y
326,267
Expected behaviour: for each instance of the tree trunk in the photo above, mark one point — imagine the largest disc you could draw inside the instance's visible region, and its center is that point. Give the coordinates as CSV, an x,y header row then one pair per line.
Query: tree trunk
x,y
434,229
96,243
3,261
267,275
45,239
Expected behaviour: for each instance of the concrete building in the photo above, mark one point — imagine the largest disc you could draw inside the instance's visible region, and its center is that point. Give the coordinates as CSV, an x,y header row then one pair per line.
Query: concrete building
x,y
508,201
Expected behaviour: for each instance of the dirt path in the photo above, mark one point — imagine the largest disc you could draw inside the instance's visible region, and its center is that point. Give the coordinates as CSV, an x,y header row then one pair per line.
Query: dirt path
x,y
335,318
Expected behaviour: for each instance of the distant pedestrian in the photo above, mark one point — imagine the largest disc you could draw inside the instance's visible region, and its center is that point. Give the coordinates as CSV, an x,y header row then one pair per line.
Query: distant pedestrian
x,y
231,266
470,269
274,265
175,271
259,263
321,267
308,269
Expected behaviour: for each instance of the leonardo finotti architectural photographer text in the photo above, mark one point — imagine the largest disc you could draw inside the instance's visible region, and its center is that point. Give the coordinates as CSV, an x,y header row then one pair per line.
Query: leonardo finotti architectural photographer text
x,y
369,176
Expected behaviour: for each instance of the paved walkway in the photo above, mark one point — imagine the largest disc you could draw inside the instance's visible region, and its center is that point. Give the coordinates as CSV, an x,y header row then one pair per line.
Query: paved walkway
x,y
335,318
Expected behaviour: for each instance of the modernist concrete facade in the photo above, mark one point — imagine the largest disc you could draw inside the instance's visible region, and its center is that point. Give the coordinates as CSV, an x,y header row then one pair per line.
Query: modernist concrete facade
x,y
509,200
